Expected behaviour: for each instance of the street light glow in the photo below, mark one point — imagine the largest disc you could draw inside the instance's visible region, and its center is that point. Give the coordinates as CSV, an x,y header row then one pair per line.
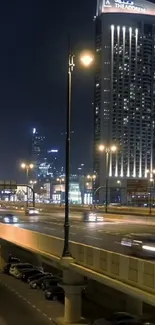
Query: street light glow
x,y
86,59
113,148
23,165
101,147
91,176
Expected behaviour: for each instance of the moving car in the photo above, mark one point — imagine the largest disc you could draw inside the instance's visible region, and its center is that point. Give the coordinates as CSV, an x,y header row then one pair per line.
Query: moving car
x,y
16,268
8,218
30,211
54,293
92,217
140,245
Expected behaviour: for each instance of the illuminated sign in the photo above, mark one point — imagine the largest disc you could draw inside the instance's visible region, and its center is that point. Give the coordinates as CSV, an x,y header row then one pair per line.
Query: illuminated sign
x,y
52,150
125,6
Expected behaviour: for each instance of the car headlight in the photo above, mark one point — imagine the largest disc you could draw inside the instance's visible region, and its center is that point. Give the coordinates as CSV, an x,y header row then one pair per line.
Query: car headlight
x,y
34,285
148,248
126,242
6,219
92,217
100,218
15,219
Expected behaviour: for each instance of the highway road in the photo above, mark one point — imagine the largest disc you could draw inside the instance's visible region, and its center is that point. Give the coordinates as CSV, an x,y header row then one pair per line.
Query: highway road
x,y
105,235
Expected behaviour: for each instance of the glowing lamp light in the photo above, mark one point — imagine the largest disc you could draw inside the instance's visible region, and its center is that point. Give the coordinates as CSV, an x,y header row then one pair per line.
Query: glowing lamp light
x,y
23,165
113,148
86,59
101,147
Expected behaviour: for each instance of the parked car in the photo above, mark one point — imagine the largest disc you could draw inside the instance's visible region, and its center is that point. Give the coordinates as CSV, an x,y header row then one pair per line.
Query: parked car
x,y
13,259
29,273
118,318
54,293
8,218
15,268
121,318
8,266
35,277
47,283
35,284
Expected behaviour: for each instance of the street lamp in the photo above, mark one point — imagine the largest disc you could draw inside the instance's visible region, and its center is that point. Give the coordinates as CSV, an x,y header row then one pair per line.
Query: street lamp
x,y
151,174
60,180
86,59
33,182
107,150
27,167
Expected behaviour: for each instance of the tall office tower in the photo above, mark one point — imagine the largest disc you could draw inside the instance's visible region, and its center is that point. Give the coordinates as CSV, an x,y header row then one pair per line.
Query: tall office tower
x,y
124,103
38,150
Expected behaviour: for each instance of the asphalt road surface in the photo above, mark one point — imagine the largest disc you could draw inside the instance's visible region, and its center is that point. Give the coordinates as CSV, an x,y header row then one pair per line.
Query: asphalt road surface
x,y
105,235
14,310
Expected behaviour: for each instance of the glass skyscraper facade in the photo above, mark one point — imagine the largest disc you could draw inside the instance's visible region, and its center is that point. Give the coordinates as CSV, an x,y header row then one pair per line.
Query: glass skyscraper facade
x,y
124,103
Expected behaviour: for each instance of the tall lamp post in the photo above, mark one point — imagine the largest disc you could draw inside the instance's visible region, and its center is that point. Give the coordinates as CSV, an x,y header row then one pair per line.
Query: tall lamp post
x,y
86,59
27,167
60,180
91,178
151,174
107,150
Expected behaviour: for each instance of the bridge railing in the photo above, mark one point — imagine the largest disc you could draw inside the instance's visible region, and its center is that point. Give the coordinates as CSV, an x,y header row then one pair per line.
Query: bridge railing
x,y
129,270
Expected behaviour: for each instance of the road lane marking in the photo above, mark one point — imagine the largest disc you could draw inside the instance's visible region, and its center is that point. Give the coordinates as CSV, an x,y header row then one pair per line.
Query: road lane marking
x,y
97,238
49,228
27,301
72,233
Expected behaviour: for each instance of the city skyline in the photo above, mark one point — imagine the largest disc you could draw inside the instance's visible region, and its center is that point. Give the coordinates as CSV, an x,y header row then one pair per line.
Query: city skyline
x,y
33,79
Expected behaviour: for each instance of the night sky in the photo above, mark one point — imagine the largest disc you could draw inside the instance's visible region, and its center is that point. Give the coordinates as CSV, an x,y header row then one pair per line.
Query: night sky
x,y
33,67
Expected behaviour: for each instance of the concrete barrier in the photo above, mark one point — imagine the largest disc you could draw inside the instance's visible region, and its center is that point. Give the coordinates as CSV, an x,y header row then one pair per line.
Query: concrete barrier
x,y
128,270
133,271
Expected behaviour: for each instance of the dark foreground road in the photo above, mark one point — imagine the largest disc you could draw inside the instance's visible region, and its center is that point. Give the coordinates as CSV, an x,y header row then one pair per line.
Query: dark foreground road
x,y
15,311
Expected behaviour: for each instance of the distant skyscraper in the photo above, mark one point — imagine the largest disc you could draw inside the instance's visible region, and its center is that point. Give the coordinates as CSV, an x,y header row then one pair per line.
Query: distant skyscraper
x,y
38,150
124,103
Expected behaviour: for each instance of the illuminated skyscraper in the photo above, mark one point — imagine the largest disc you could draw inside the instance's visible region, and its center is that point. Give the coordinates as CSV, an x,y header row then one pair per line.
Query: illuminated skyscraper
x,y
124,103
38,150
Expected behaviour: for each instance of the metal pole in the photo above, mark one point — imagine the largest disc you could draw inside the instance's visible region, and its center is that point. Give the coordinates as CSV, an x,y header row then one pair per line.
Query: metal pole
x,y
60,192
150,208
66,252
27,176
33,194
106,182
